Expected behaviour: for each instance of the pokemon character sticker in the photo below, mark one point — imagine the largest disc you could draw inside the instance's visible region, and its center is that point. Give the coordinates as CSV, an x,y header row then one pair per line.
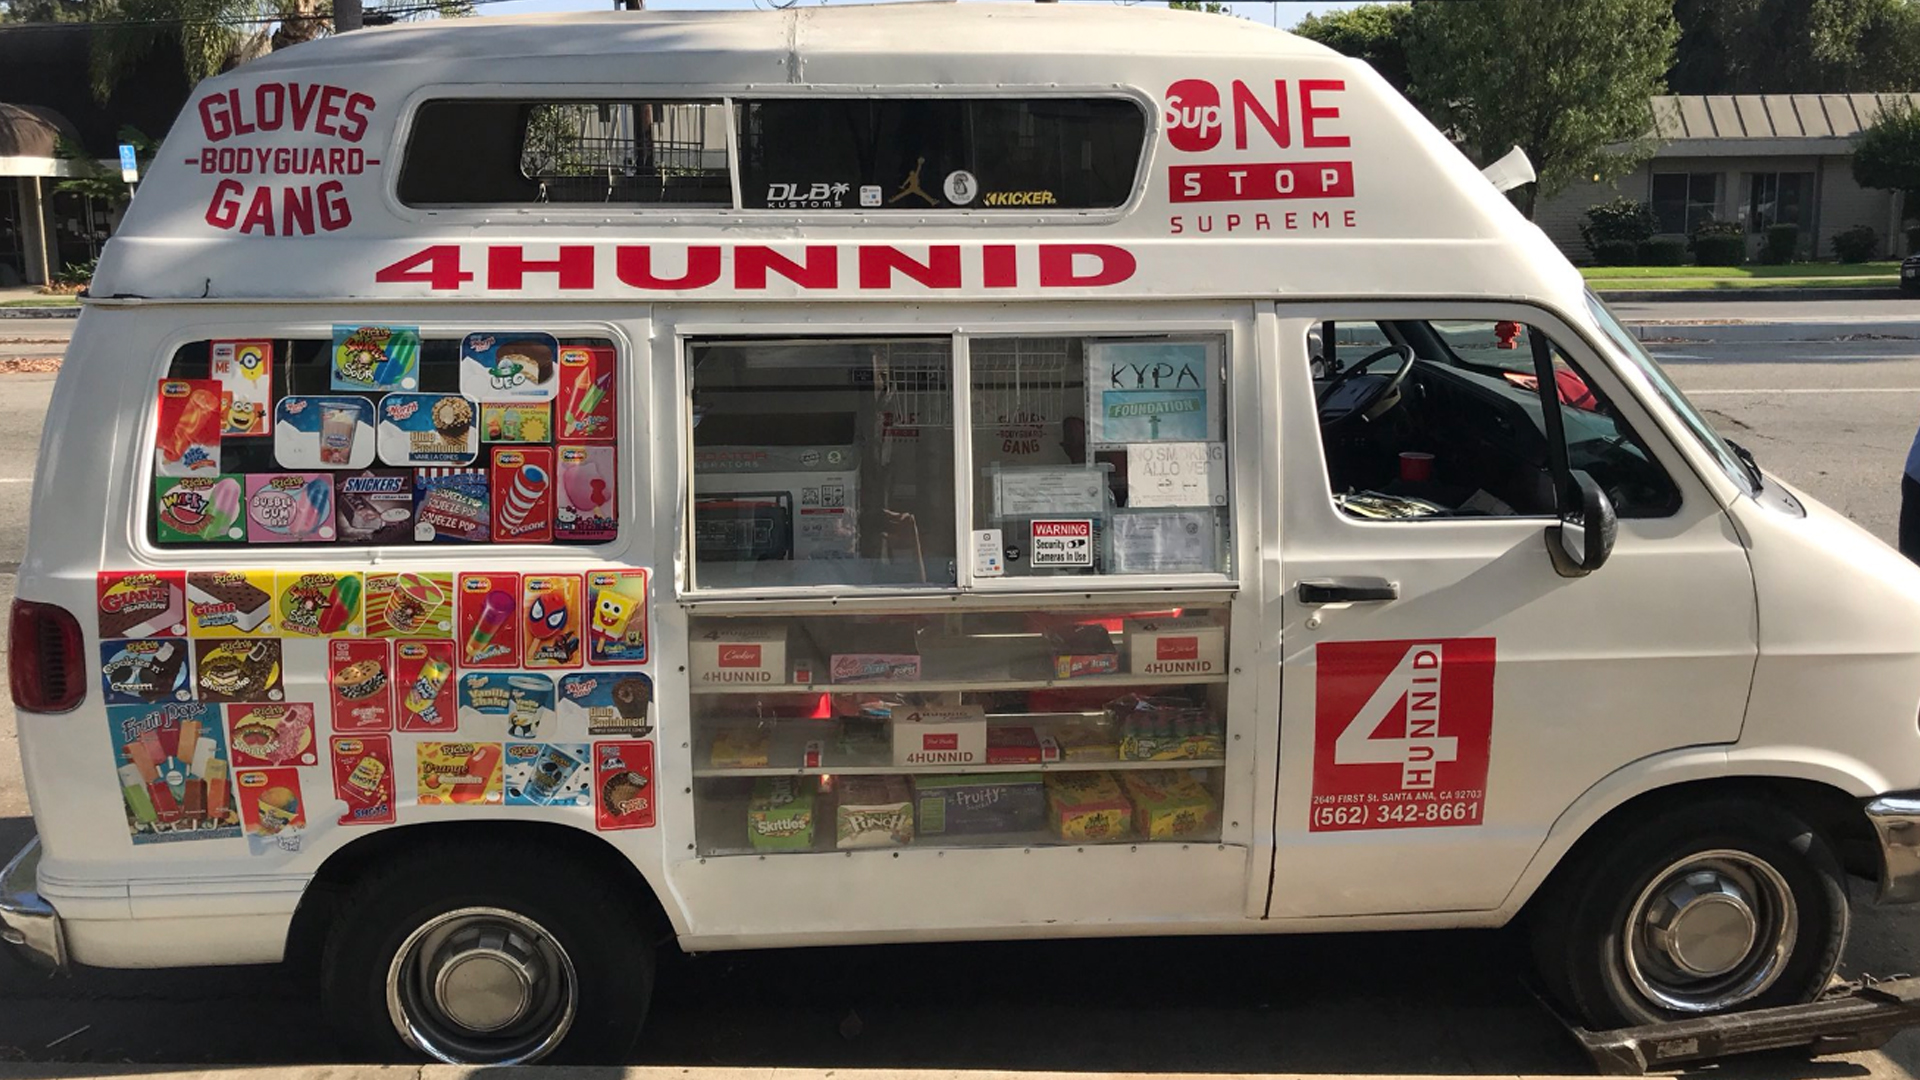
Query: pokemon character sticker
x,y
174,772
363,778
1402,733
617,617
623,784
244,370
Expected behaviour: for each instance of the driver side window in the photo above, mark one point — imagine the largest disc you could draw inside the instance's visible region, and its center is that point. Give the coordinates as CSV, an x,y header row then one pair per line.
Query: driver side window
x,y
1425,419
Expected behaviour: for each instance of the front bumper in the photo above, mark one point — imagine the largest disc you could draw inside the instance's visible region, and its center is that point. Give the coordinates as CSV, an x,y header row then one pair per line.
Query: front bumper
x,y
27,921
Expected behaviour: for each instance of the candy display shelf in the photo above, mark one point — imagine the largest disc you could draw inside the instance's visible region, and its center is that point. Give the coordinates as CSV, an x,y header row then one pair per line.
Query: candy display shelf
x,y
789,742
963,685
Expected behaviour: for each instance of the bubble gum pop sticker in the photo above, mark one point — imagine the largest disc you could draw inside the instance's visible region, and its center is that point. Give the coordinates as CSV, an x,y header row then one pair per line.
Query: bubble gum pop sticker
x,y
522,484
359,673
188,434
423,679
196,509
456,773
586,407
142,603
487,607
548,774
271,808
552,620
144,670
289,507
617,617
410,605
376,357
265,735
173,772
319,603
623,784
244,370
229,603
589,506
363,778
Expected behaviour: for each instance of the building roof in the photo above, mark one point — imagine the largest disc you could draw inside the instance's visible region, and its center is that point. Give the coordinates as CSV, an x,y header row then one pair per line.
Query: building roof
x,y
30,131
1749,124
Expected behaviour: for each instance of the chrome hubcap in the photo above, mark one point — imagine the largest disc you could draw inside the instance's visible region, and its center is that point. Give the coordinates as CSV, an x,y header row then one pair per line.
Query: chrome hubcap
x,y
482,986
1710,931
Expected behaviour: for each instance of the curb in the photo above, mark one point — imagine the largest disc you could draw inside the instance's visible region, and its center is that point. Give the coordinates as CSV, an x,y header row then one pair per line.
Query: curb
x,y
65,311
1694,296
608,1072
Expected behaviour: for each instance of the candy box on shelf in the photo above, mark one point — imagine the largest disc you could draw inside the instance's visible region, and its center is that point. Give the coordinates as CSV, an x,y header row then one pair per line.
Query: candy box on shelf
x,y
744,653
1017,744
1169,804
780,814
1085,650
1087,806
872,812
740,748
1165,729
940,735
1181,646
973,805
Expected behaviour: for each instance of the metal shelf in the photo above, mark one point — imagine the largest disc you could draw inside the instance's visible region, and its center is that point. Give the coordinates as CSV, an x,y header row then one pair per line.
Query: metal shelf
x,y
934,686
787,742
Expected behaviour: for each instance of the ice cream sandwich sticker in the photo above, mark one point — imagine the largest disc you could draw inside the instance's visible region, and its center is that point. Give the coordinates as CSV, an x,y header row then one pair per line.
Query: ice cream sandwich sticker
x,y
289,507
272,734
188,435
375,506
323,432
363,778
142,603
451,504
519,703
230,603
271,808
551,619
487,609
319,603
144,670
617,617
410,604
509,367
237,670
585,411
376,358
360,679
516,422
244,370
174,772
522,487
589,504
428,429
623,784
606,703
548,774
423,681
457,773
199,509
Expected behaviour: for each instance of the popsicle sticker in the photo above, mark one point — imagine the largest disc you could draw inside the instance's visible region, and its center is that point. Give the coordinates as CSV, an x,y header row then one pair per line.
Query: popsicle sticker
x,y
375,357
617,619
363,778
587,399
589,507
190,509
272,809
552,620
244,370
489,632
188,435
319,603
289,507
522,482
457,773
174,772
423,676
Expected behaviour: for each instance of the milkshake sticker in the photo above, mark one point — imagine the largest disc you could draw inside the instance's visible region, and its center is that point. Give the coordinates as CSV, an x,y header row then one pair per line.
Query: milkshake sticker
x,y
314,432
521,702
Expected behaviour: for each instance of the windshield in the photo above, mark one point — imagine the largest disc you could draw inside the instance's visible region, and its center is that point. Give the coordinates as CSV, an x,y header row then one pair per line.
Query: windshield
x,y
1663,386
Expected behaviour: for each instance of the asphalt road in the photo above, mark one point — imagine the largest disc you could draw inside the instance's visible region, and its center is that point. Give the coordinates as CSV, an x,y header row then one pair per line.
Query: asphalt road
x,y
1834,416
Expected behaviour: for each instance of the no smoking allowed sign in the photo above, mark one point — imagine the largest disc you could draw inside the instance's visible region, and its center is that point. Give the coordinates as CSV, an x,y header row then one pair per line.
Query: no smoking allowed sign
x,y
1402,732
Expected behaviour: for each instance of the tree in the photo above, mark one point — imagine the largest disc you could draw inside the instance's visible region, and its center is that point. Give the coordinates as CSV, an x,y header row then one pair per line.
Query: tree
x,y
1211,7
1887,155
1568,82
1376,33
1796,46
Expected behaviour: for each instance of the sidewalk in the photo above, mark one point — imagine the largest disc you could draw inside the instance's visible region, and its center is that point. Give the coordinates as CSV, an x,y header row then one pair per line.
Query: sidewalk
x,y
632,1072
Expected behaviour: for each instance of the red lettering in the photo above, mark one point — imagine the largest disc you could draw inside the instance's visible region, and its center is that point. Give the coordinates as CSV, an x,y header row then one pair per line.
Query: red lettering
x,y
240,125
752,263
1279,128
335,214
296,211
303,106
1350,221
269,106
633,265
1058,269
215,120
1322,219
356,114
999,267
436,267
259,212
1176,226
879,262
223,212
329,109
1193,115
507,267
1310,112
336,160
1259,182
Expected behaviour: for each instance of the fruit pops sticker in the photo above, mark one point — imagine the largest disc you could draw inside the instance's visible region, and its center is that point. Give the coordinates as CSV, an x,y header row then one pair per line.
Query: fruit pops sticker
x,y
174,772
188,435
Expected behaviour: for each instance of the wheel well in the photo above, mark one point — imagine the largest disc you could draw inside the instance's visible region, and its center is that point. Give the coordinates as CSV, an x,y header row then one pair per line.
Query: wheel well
x,y
553,845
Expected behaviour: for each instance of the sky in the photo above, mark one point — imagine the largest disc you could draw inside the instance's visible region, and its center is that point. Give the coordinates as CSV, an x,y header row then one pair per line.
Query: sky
x,y
1282,13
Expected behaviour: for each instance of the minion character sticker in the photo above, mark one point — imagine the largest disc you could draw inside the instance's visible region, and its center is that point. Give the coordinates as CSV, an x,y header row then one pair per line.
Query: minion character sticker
x,y
244,370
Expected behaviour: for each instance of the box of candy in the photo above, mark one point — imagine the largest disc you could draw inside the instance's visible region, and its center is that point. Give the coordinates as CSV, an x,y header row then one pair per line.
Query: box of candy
x,y
1169,804
780,815
1087,806
872,812
963,805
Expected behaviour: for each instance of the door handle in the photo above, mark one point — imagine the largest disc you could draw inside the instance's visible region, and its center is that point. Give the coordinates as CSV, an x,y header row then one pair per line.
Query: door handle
x,y
1351,591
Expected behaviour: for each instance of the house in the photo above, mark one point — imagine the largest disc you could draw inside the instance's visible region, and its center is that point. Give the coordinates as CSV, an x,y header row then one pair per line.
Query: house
x,y
1761,160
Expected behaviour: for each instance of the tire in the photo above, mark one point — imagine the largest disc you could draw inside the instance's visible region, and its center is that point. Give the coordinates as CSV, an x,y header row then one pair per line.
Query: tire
x,y
466,898
1668,966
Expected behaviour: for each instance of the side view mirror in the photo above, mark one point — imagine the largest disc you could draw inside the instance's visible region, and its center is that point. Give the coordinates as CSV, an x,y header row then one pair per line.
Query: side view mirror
x,y
1581,543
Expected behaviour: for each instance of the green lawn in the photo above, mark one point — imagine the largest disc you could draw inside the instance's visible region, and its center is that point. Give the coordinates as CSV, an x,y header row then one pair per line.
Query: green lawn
x,y
43,301
1800,275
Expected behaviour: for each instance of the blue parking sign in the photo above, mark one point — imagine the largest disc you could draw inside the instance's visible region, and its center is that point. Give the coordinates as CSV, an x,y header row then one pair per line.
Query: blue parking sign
x,y
129,168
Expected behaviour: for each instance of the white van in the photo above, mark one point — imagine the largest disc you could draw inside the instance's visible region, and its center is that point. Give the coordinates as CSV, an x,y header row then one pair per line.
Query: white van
x,y
522,489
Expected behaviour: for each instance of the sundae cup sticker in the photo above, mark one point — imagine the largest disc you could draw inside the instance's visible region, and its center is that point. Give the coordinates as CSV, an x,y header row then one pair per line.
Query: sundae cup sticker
x,y
375,506
455,773
289,507
188,433
230,603
360,678
376,358
423,681
144,670
509,367
450,504
551,619
271,808
319,603
428,429
363,778
518,703
516,422
522,485
606,703
589,506
272,734
199,509
548,774
487,608
323,432
142,603
239,670
585,412
174,772
617,617
623,784
244,370
409,604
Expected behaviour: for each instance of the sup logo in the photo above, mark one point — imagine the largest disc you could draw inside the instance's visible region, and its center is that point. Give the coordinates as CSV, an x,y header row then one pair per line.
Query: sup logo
x,y
1402,733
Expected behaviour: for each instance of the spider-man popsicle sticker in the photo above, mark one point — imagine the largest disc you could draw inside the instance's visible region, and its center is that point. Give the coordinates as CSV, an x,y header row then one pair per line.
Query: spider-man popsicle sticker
x,y
550,616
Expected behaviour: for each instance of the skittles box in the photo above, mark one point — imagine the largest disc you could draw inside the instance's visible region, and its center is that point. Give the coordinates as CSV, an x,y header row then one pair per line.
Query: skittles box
x,y
780,814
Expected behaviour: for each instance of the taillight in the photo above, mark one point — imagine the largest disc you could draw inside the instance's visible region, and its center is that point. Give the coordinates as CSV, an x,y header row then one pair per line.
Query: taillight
x,y
46,659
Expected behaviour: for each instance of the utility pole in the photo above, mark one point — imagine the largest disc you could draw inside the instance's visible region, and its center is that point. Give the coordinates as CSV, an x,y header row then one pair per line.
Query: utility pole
x,y
346,15
629,5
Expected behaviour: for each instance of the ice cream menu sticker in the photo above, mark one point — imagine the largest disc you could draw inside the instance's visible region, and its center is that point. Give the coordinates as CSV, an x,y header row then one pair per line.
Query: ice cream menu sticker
x,y
376,357
174,772
1160,391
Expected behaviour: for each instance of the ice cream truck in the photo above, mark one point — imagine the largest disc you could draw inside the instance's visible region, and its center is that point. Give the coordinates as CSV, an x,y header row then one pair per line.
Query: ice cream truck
x,y
522,490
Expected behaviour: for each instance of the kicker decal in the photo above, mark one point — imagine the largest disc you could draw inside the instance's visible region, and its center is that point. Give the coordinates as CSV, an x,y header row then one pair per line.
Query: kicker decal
x,y
1402,733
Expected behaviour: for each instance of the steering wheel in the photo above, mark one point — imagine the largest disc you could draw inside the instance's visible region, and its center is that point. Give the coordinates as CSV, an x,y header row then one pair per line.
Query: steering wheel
x,y
1371,395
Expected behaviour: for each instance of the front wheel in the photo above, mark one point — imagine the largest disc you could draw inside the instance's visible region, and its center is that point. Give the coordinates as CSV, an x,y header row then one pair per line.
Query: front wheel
x,y
1699,910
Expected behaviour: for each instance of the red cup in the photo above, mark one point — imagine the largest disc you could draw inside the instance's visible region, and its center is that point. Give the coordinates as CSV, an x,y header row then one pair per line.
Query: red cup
x,y
1416,467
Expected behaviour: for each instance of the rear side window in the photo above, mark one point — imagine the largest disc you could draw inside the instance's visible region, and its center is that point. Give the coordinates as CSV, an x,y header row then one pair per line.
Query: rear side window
x,y
379,437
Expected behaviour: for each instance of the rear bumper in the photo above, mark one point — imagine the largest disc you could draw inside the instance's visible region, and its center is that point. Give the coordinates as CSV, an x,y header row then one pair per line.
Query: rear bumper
x,y
1896,823
27,922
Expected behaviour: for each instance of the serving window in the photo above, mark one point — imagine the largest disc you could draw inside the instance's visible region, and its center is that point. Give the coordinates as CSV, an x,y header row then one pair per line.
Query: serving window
x,y
381,436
